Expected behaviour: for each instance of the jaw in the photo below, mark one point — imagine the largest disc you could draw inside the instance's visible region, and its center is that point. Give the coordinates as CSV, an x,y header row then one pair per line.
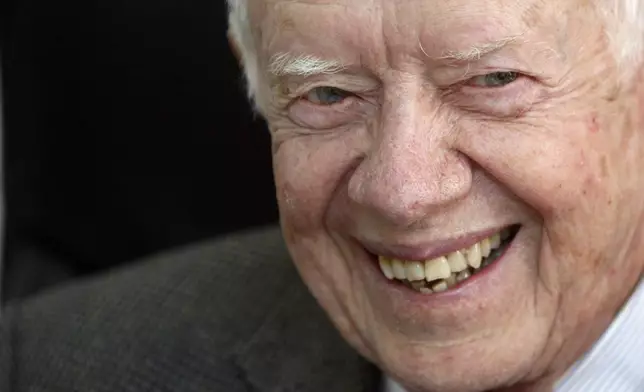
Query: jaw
x,y
509,330
519,327
467,335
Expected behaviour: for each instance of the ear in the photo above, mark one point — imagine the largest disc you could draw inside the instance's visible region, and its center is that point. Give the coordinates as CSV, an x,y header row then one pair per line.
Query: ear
x,y
234,47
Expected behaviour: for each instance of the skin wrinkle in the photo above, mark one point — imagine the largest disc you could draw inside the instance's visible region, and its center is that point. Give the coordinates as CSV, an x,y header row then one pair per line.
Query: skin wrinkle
x,y
421,159
354,325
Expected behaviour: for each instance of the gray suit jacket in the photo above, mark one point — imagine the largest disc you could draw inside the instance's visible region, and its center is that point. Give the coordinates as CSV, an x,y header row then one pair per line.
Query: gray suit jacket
x,y
231,315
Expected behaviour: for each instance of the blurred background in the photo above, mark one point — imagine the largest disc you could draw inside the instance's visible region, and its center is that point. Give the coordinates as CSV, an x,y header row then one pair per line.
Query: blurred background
x,y
127,132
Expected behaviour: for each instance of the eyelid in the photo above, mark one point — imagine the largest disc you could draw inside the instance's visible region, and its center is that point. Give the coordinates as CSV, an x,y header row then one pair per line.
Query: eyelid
x,y
354,84
469,82
498,102
520,80
310,115
347,102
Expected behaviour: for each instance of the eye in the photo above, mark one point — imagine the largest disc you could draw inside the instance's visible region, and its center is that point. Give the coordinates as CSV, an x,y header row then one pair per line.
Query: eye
x,y
326,96
494,79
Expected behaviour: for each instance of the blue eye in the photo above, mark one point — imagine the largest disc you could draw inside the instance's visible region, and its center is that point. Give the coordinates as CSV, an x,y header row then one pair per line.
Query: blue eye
x,y
326,95
494,79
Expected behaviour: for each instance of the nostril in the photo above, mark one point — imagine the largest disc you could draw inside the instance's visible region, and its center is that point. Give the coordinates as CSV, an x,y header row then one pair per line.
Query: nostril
x,y
403,189
401,205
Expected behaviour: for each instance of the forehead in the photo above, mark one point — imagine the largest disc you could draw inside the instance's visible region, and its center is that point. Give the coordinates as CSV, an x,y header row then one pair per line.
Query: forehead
x,y
380,28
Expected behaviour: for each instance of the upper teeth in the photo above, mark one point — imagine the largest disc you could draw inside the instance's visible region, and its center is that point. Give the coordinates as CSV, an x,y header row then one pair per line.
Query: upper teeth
x,y
441,267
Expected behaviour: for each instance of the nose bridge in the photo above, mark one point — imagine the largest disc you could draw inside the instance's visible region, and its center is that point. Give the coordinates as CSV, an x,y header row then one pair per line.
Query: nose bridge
x,y
411,166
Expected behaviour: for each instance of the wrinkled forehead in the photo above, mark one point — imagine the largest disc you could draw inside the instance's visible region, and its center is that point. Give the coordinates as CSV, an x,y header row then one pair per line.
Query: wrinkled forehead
x,y
371,30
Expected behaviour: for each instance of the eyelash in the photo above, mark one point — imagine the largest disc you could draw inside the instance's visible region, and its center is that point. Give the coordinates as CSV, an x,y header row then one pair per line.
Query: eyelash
x,y
517,78
513,75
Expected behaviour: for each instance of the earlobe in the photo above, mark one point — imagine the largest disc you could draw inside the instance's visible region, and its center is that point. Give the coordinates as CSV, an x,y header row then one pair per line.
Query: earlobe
x,y
234,48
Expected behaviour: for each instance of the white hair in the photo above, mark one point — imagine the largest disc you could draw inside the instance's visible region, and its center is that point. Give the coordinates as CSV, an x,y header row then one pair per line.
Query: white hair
x,y
242,35
302,65
625,30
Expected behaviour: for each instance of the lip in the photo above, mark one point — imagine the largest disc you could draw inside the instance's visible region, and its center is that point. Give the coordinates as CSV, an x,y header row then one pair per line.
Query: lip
x,y
429,250
479,288
479,275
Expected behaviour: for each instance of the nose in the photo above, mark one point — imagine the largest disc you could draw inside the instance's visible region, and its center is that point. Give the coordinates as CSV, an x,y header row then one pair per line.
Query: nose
x,y
411,168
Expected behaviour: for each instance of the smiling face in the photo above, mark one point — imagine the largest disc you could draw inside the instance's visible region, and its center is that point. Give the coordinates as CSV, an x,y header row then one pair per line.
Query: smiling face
x,y
458,180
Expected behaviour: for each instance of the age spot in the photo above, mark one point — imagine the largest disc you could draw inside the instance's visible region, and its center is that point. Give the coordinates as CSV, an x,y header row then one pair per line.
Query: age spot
x,y
593,124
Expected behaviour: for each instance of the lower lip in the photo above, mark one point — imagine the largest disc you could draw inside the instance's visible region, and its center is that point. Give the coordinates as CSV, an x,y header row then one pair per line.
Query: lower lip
x,y
458,291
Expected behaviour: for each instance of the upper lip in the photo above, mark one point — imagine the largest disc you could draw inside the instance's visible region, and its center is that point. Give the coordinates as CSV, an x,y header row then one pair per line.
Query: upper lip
x,y
429,250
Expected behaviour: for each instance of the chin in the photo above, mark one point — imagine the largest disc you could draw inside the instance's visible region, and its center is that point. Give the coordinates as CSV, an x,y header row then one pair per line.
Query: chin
x,y
490,363
486,331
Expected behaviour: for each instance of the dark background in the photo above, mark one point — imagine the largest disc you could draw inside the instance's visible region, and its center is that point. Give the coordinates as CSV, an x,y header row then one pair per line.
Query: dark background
x,y
127,132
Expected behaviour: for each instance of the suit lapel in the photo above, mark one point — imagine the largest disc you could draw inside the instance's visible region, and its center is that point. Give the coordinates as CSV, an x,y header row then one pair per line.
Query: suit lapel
x,y
298,349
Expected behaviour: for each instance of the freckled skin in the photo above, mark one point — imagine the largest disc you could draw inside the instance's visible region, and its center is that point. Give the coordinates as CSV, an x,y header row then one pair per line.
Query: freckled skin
x,y
414,156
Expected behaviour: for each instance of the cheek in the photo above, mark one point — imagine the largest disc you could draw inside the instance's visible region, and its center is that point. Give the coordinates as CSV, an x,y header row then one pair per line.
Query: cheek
x,y
593,124
546,169
557,170
563,164
308,172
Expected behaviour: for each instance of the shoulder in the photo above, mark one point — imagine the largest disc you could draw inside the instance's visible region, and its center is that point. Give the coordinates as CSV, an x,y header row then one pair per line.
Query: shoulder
x,y
164,320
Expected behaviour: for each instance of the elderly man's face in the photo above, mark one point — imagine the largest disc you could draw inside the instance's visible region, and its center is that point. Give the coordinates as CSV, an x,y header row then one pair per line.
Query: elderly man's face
x,y
458,180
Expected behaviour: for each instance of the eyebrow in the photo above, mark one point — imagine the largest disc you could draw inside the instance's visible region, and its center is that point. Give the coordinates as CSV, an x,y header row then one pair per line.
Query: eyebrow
x,y
285,64
476,51
289,64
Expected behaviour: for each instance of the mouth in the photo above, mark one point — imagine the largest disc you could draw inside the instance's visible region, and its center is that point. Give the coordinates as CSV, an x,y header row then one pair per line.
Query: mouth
x,y
450,270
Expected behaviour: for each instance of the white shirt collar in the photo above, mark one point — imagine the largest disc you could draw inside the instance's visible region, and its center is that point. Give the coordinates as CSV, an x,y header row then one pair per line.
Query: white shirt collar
x,y
616,361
